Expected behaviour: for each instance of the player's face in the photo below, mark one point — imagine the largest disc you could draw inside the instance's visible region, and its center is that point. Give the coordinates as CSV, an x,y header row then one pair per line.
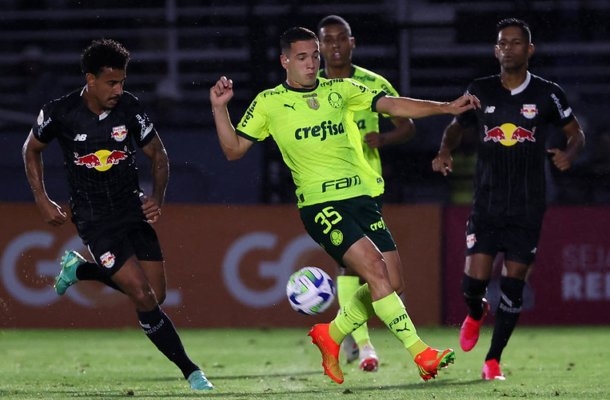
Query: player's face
x,y
302,64
336,45
513,49
105,89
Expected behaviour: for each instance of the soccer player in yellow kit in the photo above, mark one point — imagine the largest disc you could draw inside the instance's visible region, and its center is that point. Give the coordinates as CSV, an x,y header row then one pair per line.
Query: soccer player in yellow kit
x,y
336,45
311,120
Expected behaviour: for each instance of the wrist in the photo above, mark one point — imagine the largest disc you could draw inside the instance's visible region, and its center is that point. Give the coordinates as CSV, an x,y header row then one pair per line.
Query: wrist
x,y
444,152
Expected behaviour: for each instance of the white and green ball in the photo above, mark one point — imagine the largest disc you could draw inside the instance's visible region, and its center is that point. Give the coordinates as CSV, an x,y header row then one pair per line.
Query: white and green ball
x,y
310,290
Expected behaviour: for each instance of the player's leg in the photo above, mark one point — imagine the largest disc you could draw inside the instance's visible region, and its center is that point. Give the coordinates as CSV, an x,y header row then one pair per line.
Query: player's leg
x,y
75,267
116,253
150,258
347,284
482,243
388,306
334,227
477,273
377,297
521,244
506,318
427,359
357,345
157,326
155,274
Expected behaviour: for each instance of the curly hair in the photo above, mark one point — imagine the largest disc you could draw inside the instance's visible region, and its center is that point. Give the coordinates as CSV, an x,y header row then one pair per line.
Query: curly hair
x,y
104,53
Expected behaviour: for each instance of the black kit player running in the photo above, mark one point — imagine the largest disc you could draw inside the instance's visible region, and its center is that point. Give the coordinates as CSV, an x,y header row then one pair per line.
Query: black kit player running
x,y
513,128
517,111
98,129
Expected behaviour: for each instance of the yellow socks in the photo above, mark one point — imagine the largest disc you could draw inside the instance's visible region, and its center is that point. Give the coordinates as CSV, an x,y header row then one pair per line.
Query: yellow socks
x,y
347,286
352,314
393,314
390,310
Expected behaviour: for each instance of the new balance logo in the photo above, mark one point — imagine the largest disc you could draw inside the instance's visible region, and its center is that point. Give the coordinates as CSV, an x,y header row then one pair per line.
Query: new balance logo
x,y
289,106
80,137
490,109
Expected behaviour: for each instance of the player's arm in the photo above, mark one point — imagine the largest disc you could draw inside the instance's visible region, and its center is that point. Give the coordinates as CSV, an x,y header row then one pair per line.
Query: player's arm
x,y
232,145
562,159
404,130
155,151
452,136
31,152
407,107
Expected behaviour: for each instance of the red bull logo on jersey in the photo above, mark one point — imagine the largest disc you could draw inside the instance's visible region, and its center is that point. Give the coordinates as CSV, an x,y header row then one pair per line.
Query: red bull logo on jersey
x,y
529,111
119,133
101,160
509,134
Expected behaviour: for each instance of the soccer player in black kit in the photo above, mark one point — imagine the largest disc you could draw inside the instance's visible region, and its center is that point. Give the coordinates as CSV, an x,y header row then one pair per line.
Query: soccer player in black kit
x,y
98,129
517,108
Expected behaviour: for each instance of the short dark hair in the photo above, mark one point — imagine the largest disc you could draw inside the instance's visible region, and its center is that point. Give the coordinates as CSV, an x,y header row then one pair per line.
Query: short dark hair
x,y
104,53
519,23
334,20
295,34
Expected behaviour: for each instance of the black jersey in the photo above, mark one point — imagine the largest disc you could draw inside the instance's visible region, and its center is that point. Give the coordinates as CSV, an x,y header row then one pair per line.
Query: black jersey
x,y
512,128
99,154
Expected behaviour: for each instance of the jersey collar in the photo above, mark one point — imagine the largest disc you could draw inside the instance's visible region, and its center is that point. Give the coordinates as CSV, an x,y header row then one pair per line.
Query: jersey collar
x,y
523,86
305,90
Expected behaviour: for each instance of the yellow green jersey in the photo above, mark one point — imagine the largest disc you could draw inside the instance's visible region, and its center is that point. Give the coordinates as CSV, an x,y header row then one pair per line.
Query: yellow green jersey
x,y
368,120
317,136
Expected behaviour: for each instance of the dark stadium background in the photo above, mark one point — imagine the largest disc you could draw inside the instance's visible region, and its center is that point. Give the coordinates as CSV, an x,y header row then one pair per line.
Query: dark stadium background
x,y
426,48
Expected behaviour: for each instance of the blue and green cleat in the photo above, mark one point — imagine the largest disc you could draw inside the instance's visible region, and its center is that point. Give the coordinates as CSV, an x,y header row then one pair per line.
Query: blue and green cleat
x,y
67,276
198,381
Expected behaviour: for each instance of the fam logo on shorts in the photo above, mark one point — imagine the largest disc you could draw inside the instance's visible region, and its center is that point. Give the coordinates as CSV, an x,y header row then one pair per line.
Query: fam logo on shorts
x,y
336,237
107,259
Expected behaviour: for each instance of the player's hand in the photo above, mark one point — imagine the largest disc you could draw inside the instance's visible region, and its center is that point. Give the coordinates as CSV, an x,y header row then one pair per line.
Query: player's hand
x,y
560,159
151,209
442,163
52,213
464,103
374,140
221,92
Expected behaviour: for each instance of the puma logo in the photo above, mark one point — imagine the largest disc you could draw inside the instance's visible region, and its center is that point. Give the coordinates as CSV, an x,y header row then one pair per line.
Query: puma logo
x,y
290,106
402,329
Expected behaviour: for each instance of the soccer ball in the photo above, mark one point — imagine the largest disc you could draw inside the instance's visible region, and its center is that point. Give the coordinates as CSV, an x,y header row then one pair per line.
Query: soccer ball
x,y
310,290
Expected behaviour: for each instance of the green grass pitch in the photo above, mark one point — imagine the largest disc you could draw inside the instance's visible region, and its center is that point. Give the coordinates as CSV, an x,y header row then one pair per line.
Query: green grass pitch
x,y
277,364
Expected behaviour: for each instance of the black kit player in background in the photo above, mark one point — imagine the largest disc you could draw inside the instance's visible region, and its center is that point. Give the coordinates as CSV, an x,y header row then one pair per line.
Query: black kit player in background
x,y
517,108
98,128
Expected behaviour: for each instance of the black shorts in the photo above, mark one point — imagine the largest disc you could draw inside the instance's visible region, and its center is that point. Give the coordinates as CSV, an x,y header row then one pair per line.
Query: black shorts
x,y
505,235
336,225
114,243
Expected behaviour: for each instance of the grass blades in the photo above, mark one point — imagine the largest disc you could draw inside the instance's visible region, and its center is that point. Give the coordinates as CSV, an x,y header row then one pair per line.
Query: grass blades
x,y
278,364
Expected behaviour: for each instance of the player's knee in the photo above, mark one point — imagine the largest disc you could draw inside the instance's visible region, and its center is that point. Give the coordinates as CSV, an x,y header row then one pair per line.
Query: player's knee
x,y
473,288
143,296
376,270
161,296
511,299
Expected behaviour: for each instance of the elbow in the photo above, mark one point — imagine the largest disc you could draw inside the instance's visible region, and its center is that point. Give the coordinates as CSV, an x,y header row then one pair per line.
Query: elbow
x,y
232,155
